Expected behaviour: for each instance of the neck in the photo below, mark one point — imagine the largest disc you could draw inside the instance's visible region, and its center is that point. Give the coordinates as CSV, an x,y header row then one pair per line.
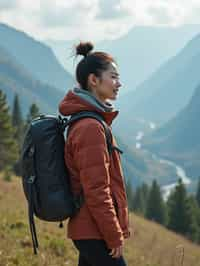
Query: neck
x,y
101,99
95,100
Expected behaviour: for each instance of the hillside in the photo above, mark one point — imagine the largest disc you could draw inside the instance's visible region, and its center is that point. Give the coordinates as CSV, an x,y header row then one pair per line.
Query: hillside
x,y
151,244
169,89
141,167
163,95
36,57
14,78
179,138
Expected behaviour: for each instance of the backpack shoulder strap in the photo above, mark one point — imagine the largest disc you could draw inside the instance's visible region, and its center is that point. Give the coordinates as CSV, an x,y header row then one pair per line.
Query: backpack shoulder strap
x,y
98,117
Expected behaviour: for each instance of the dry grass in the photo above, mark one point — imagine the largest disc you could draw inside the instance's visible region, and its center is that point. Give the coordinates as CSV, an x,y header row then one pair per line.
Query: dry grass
x,y
153,245
150,245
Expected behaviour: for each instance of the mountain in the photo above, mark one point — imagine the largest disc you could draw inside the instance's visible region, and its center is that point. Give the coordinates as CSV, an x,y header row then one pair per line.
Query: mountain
x,y
162,96
170,88
64,51
143,49
179,138
36,57
139,52
14,78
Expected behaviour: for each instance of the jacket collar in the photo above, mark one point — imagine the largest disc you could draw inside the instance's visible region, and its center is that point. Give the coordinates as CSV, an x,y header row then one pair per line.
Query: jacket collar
x,y
76,101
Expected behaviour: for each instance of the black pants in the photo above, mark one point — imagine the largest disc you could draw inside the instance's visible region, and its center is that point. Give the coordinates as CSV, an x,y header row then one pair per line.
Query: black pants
x,y
94,252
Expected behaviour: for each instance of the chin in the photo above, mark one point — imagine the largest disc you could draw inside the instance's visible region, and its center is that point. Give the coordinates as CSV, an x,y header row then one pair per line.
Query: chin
x,y
114,97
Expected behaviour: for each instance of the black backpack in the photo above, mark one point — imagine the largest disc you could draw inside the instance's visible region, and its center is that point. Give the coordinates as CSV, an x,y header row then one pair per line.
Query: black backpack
x,y
44,174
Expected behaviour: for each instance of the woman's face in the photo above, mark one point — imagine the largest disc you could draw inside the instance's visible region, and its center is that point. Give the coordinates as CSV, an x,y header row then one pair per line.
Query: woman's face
x,y
107,86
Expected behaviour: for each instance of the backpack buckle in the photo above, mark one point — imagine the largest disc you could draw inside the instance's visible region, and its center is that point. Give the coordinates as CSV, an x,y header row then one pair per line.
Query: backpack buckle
x,y
63,122
31,179
31,151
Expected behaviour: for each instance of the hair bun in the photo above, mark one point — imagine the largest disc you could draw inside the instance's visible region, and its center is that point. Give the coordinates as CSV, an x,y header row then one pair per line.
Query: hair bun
x,y
84,48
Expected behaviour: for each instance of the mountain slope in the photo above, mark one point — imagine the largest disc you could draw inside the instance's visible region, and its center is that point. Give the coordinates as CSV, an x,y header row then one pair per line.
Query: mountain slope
x,y
179,138
170,87
141,167
15,79
150,244
36,57
139,52
162,96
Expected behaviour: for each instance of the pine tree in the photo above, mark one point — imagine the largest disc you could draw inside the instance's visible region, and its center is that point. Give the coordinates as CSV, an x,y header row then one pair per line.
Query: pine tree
x,y
179,210
139,201
33,113
145,193
156,209
8,146
18,124
198,193
194,226
129,193
17,120
16,113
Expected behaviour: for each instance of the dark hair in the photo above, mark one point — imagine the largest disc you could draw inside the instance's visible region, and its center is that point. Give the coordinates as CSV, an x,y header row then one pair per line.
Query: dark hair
x,y
93,62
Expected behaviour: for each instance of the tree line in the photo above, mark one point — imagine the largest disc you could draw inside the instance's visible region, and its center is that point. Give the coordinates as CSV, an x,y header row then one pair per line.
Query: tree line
x,y
12,130
180,212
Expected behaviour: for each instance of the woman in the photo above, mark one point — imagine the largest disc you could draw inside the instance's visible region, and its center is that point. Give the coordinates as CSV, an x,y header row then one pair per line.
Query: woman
x,y
100,227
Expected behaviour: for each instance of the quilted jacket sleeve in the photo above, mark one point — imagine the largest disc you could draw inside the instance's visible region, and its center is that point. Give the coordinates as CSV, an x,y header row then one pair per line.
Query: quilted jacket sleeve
x,y
90,151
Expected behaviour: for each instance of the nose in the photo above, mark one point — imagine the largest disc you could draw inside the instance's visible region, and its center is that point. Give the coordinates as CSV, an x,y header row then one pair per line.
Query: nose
x,y
119,84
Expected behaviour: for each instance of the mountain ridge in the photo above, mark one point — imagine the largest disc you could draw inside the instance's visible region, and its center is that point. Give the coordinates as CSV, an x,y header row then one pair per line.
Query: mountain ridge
x,y
35,56
15,79
179,138
174,71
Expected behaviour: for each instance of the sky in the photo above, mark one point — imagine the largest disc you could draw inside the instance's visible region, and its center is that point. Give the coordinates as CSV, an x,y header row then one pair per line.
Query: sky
x,y
94,19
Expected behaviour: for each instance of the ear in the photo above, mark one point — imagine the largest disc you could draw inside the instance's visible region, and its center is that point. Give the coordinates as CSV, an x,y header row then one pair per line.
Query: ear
x,y
92,80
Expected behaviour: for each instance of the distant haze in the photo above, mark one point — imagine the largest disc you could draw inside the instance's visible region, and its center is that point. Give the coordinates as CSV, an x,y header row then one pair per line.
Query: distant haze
x,y
139,53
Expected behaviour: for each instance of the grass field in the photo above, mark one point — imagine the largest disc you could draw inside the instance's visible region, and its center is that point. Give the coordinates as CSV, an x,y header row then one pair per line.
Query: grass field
x,y
149,245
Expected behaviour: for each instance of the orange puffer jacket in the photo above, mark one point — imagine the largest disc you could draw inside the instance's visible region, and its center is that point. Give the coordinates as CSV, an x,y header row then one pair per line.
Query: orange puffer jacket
x,y
104,214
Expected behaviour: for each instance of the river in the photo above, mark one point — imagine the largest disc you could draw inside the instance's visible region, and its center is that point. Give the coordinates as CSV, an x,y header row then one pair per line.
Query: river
x,y
166,189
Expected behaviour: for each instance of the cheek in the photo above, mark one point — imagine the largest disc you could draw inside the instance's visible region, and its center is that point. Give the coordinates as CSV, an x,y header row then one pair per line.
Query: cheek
x,y
106,88
109,84
109,87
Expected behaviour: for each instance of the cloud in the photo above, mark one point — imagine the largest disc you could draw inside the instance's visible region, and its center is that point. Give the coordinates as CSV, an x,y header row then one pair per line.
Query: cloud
x,y
5,4
67,14
193,15
110,10
160,15
94,19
